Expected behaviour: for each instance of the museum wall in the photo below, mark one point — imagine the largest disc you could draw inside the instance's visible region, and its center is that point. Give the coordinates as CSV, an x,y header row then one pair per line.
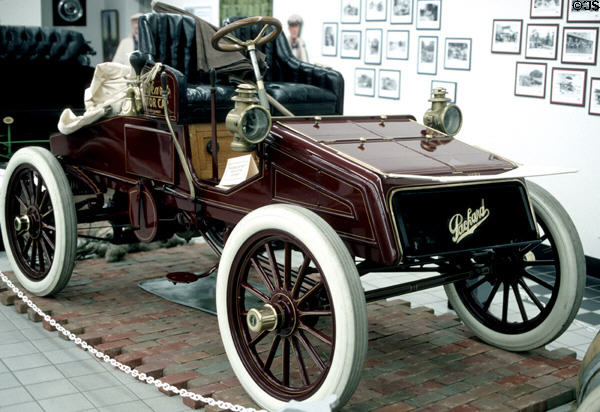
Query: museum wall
x,y
527,130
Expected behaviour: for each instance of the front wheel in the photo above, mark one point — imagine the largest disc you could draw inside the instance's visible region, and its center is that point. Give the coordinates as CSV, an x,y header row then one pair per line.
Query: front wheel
x,y
531,294
291,309
38,221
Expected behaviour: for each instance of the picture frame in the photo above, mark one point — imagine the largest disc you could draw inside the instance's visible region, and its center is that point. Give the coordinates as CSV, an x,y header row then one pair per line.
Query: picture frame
x,y
109,23
364,82
568,86
401,11
389,84
397,44
350,44
541,41
457,53
449,86
350,11
376,10
329,39
506,36
546,9
427,55
582,12
580,45
373,45
429,14
530,79
594,107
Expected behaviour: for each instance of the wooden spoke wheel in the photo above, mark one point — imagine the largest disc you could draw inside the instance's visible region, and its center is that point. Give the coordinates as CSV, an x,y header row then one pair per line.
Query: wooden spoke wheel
x,y
531,294
38,221
291,310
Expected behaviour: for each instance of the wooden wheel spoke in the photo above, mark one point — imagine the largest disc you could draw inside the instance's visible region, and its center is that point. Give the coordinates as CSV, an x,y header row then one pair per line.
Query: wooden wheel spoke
x,y
38,190
534,245
49,227
317,334
33,254
538,280
45,250
317,312
41,256
300,360
531,295
286,362
48,240
50,210
310,292
273,263
21,201
262,274
25,192
287,266
255,292
488,302
505,295
258,338
311,350
548,262
519,302
43,200
26,246
477,284
272,351
32,186
300,276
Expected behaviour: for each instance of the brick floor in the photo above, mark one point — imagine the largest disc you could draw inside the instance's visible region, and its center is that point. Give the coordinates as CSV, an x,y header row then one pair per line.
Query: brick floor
x,y
416,361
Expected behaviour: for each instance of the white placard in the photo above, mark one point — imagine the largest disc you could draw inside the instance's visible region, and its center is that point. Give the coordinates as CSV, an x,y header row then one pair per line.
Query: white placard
x,y
237,170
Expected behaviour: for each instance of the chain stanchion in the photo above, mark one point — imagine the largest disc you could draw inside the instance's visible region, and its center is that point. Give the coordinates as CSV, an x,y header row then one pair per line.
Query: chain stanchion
x,y
184,393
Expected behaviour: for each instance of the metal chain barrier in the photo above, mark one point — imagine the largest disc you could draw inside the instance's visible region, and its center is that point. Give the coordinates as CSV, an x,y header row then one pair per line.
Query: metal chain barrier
x,y
127,369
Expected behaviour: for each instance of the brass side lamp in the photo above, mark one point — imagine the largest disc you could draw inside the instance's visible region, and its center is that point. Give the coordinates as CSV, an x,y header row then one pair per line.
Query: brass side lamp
x,y
447,118
248,121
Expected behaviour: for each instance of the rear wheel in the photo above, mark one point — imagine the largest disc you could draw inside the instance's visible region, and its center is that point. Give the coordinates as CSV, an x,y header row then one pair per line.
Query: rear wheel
x,y
291,309
39,225
531,294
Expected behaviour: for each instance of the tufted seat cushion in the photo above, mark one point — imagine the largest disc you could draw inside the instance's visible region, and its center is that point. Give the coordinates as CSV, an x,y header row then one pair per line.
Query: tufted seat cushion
x,y
305,89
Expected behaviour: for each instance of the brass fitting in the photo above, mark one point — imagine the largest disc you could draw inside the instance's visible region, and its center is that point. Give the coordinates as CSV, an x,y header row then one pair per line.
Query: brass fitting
x,y
262,319
248,121
21,223
447,118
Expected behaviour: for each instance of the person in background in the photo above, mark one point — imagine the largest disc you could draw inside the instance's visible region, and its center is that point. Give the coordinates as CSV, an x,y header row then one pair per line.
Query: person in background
x,y
296,43
128,44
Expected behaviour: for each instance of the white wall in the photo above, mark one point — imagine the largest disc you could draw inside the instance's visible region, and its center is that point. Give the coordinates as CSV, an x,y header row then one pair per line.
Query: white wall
x,y
527,130
20,12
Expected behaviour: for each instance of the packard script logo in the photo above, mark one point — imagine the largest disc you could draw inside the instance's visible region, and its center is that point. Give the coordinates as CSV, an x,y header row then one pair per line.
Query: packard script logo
x,y
462,226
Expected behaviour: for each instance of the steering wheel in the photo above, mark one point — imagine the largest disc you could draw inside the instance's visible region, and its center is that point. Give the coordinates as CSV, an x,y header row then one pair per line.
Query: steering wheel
x,y
239,45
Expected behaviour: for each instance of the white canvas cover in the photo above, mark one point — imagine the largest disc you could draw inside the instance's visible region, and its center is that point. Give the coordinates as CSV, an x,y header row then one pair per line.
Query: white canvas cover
x,y
105,96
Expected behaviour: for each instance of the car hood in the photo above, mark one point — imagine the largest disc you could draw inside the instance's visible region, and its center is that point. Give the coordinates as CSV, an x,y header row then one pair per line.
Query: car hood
x,y
398,145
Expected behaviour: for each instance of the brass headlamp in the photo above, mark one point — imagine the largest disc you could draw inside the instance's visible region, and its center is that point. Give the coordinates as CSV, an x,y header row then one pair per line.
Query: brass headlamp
x,y
447,118
248,121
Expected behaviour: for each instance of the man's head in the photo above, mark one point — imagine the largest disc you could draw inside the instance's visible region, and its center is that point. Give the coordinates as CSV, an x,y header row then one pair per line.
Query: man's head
x,y
294,26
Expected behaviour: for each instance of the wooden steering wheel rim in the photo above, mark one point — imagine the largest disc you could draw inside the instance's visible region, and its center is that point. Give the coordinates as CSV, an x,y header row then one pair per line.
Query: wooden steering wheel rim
x,y
249,21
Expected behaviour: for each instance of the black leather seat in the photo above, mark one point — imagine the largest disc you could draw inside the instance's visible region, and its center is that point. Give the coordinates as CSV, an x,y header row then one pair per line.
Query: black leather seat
x,y
43,70
305,89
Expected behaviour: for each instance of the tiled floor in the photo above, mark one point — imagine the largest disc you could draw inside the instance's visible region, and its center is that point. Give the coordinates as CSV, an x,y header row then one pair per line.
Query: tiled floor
x,y
40,372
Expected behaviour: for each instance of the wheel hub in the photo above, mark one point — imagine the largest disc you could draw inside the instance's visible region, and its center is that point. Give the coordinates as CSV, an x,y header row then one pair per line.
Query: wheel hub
x,y
262,319
22,223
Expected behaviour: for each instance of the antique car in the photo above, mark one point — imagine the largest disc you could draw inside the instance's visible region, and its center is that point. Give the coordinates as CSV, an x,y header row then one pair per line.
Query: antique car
x,y
332,198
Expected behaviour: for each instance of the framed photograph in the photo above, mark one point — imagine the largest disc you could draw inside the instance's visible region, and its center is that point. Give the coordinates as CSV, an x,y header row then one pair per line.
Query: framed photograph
x,y
109,20
397,44
389,84
375,10
429,14
582,12
568,86
457,55
580,45
329,46
530,79
541,41
401,11
449,86
373,46
595,96
350,44
427,60
546,9
506,36
364,82
350,11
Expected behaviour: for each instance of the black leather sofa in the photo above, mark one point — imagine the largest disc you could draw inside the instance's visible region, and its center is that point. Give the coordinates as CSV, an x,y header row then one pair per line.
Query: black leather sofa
x,y
42,71
305,89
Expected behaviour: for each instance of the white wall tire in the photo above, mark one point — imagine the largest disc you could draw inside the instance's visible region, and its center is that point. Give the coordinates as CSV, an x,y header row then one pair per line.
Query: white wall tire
x,y
567,279
340,290
35,188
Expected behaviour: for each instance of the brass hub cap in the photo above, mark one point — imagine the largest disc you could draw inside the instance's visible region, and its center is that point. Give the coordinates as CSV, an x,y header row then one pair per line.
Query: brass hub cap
x,y
22,223
263,318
